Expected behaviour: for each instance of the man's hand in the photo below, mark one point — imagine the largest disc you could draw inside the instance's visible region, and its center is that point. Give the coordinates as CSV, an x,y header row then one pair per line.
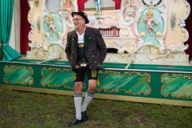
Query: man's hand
x,y
76,66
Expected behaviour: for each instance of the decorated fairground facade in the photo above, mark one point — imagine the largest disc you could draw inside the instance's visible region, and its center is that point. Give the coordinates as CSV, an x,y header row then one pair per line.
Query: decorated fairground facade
x,y
146,59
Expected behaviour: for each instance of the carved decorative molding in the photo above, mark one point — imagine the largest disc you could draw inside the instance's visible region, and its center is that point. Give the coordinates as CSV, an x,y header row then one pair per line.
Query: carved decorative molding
x,y
149,30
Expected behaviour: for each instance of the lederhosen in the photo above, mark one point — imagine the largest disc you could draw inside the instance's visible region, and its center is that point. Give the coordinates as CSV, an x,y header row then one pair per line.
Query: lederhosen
x,y
82,62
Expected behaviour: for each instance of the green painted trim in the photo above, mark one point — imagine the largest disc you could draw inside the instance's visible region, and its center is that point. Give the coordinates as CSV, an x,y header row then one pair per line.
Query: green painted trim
x,y
135,83
114,66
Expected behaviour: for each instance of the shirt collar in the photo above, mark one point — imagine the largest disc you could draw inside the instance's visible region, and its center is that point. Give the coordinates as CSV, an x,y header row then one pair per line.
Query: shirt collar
x,y
82,33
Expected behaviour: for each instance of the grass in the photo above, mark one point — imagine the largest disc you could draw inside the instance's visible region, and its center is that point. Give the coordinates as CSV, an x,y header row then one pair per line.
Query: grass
x,y
35,110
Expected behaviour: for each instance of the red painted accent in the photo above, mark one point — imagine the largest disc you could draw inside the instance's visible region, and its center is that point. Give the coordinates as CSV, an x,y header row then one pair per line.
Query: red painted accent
x,y
25,27
81,5
117,4
189,28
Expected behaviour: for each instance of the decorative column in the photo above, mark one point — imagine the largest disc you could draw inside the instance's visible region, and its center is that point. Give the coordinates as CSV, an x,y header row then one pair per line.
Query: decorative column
x,y
81,4
189,28
25,27
117,4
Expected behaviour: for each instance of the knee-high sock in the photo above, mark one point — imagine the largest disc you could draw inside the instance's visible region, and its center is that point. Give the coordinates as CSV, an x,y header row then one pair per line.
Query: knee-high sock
x,y
78,103
87,100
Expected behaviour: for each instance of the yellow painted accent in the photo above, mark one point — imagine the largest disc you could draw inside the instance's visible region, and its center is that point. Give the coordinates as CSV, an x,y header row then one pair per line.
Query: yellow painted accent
x,y
105,96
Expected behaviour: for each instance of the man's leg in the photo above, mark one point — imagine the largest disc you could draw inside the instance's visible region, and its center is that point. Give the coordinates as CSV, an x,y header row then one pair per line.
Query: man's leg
x,y
89,95
78,99
92,76
79,76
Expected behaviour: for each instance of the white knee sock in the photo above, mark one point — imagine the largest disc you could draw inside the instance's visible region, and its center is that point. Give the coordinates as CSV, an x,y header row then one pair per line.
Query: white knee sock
x,y
87,100
78,102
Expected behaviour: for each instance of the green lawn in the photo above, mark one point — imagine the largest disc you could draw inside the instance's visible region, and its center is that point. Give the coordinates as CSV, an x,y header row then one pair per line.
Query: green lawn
x,y
35,110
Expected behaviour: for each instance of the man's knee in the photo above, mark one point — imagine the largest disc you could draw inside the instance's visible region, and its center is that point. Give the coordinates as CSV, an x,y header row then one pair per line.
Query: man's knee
x,y
78,87
92,86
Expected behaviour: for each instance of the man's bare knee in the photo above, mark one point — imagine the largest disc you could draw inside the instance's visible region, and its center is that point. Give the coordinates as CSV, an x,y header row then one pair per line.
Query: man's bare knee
x,y
78,87
92,86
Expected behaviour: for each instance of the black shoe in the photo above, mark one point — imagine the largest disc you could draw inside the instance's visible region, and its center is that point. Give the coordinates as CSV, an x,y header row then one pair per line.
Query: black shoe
x,y
84,116
75,121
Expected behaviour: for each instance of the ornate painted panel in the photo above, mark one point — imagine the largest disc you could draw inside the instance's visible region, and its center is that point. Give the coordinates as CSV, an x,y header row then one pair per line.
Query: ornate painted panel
x,y
141,31
21,75
57,78
116,82
176,85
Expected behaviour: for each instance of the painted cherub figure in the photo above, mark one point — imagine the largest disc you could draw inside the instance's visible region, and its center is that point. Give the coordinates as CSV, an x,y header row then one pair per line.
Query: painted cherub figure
x,y
151,27
150,22
50,24
68,6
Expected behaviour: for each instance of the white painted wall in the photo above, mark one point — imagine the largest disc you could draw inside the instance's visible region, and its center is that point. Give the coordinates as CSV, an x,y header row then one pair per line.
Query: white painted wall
x,y
12,41
15,30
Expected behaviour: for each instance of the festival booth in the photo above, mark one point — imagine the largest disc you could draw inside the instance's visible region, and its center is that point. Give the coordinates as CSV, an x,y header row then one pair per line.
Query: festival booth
x,y
145,39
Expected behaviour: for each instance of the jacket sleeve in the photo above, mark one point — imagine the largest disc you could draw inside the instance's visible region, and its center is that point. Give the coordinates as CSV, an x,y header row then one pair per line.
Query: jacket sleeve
x,y
101,45
68,48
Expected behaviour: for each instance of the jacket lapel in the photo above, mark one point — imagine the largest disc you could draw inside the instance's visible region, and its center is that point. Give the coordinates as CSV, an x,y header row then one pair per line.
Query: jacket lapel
x,y
74,41
87,38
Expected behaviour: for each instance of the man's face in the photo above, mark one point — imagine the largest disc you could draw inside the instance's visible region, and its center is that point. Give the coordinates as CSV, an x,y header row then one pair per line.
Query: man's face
x,y
78,21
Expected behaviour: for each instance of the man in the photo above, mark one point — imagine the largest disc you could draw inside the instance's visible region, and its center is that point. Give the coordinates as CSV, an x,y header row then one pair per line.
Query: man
x,y
85,50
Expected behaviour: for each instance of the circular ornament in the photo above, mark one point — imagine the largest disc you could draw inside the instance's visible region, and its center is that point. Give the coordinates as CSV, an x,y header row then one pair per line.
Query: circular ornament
x,y
151,2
